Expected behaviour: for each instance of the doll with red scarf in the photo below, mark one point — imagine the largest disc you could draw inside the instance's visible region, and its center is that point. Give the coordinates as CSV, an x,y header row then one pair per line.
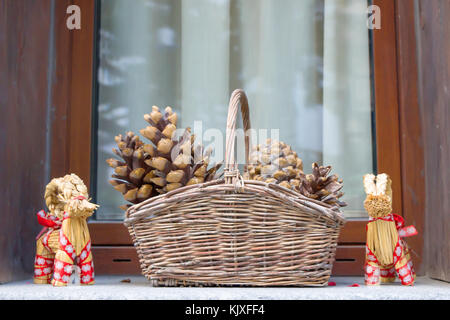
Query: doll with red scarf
x,y
64,242
387,254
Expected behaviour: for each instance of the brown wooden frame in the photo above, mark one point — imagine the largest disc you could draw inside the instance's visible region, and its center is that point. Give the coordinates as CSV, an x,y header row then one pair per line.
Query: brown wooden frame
x,y
412,137
398,131
433,43
25,76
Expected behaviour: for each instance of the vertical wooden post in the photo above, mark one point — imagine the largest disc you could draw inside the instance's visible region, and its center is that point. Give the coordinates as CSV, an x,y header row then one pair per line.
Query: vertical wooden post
x,y
386,99
433,29
25,100
81,92
412,151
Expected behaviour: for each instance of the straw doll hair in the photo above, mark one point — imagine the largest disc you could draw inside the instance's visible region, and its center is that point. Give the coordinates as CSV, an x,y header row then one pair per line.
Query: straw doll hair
x,y
382,236
69,194
60,191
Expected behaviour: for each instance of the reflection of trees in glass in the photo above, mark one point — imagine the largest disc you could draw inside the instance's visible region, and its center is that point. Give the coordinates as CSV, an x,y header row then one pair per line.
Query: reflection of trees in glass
x,y
113,118
114,109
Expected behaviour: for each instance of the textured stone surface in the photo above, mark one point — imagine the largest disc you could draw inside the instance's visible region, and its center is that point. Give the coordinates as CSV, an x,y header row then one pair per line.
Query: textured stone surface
x,y
111,287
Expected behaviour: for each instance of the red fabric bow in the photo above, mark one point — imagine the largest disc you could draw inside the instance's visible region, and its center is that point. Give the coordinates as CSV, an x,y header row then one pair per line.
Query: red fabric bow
x,y
47,221
52,222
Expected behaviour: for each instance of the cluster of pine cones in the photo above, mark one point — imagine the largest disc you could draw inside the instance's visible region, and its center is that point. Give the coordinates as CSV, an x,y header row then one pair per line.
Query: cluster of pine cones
x,y
167,163
276,162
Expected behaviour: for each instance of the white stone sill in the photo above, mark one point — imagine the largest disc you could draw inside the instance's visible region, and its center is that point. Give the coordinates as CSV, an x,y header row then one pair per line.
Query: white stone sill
x,y
111,288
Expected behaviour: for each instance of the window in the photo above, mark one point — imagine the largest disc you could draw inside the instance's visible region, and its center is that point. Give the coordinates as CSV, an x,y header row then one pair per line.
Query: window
x,y
392,68
305,66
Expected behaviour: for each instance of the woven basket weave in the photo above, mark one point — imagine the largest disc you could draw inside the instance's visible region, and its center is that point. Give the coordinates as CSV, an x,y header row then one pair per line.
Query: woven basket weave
x,y
235,232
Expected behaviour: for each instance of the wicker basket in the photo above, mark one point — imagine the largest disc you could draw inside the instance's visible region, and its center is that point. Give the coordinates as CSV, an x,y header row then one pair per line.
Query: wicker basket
x,y
235,232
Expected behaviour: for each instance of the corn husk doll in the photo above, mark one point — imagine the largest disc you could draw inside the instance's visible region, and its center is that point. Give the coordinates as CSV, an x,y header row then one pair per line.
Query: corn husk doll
x,y
64,243
387,254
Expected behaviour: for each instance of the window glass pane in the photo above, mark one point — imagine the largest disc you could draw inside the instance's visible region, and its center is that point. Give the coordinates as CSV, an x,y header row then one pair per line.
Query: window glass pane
x,y
305,66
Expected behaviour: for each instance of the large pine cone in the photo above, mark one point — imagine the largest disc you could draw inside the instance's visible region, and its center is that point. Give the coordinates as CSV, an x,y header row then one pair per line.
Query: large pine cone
x,y
168,163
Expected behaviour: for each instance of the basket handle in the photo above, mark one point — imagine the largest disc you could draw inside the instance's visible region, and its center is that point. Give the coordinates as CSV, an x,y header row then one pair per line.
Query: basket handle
x,y
231,168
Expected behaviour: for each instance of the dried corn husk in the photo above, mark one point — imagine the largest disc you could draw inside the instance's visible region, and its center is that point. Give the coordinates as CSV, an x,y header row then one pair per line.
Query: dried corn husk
x,y
382,236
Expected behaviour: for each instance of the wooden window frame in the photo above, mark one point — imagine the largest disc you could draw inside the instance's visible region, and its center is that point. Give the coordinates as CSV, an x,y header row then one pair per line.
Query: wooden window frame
x,y
398,130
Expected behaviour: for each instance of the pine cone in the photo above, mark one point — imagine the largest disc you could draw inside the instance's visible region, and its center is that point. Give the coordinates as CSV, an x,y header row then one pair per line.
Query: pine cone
x,y
168,163
321,186
275,162
173,160
130,174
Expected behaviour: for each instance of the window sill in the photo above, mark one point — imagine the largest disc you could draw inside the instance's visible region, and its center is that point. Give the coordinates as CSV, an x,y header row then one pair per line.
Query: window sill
x,y
111,287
